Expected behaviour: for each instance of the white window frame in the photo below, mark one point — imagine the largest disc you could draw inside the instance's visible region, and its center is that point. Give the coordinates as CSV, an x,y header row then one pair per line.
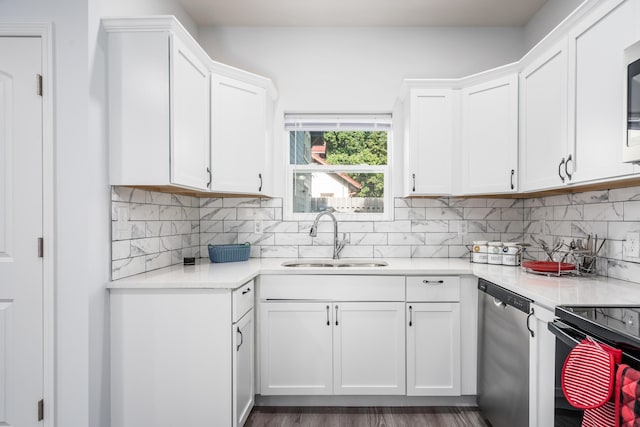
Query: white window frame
x,y
290,169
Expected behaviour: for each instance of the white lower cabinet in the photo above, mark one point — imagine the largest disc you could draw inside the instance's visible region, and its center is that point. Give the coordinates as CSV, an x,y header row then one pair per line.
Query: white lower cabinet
x,y
296,348
433,349
368,348
243,360
324,348
172,363
320,344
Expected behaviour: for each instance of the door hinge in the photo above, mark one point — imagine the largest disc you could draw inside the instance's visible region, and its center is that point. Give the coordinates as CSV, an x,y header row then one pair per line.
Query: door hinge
x,y
40,247
40,410
39,84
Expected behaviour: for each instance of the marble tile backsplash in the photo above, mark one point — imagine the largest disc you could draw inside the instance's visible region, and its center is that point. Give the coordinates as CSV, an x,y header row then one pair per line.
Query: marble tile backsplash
x,y
609,214
153,230
422,228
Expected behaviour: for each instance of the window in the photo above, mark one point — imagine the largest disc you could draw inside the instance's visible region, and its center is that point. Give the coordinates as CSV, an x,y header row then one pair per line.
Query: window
x,y
339,162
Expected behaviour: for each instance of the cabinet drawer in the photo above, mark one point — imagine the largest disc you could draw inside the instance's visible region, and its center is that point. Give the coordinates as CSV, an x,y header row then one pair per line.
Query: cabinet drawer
x,y
243,300
433,288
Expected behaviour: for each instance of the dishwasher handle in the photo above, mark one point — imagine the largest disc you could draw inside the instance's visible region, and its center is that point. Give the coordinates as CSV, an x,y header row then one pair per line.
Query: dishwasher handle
x,y
531,313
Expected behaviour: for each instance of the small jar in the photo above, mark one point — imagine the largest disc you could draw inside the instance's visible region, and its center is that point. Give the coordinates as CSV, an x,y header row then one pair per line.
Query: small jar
x,y
495,253
511,254
479,254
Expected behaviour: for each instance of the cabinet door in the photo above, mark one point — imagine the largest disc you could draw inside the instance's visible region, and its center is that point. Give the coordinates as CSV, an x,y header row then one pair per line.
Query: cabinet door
x,y
543,120
369,348
243,393
490,137
596,46
433,349
296,348
189,95
238,135
542,367
429,150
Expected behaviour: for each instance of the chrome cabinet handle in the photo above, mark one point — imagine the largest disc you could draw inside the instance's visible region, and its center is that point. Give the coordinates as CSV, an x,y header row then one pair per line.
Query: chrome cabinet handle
x,y
562,162
260,188
336,315
247,291
241,338
410,316
566,167
328,321
413,176
513,172
531,313
433,282
209,183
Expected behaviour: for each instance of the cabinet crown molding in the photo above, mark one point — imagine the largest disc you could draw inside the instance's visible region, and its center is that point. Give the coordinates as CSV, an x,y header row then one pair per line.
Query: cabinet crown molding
x,y
171,24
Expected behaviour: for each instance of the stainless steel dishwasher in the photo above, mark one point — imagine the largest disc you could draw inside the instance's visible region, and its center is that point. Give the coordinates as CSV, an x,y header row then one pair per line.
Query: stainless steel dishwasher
x,y
503,355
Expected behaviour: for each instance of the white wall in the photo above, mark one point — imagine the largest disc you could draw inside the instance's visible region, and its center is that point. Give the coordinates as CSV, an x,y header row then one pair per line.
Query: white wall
x,y
360,69
357,69
546,19
72,250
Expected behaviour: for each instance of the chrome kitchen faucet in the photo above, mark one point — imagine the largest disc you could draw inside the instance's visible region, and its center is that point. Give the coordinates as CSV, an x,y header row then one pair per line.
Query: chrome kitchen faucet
x,y
338,245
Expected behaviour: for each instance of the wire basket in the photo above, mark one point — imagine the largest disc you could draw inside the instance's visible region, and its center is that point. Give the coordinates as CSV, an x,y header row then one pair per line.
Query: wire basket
x,y
229,253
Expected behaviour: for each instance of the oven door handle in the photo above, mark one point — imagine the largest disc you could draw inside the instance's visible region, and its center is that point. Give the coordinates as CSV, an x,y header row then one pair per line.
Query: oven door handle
x,y
556,327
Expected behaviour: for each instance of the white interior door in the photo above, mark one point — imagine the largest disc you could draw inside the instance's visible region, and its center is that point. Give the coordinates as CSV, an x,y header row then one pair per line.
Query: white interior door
x,y
21,273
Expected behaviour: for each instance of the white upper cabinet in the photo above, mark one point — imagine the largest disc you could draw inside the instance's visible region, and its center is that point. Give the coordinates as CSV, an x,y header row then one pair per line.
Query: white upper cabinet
x,y
238,136
545,159
429,139
190,118
158,89
596,46
177,118
489,145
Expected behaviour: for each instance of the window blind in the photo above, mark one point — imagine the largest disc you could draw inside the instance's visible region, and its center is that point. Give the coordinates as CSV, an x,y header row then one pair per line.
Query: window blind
x,y
332,122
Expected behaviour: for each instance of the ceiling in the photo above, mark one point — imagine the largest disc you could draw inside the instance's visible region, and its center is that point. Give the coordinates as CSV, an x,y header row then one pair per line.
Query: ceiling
x,y
362,12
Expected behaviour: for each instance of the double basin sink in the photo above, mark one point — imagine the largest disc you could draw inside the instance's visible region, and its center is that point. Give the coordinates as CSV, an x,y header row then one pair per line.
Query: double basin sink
x,y
334,263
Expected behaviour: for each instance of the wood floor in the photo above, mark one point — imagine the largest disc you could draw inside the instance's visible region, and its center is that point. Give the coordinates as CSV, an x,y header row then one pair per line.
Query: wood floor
x,y
365,417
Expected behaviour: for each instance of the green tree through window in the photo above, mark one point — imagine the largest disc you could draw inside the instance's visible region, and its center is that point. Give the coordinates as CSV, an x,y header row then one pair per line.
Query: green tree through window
x,y
359,148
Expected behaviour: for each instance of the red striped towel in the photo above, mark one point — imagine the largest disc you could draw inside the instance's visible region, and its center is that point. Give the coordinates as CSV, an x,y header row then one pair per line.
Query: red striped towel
x,y
627,397
588,375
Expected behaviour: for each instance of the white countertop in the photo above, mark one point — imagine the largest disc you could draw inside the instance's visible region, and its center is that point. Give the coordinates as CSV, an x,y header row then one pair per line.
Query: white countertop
x,y
546,291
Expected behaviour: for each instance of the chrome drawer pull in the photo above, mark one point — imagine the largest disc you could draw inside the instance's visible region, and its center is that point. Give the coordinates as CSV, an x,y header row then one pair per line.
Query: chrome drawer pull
x,y
433,282
247,291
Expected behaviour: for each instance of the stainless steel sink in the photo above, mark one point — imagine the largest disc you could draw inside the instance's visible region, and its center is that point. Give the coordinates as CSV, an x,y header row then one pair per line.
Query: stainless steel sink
x,y
306,264
337,263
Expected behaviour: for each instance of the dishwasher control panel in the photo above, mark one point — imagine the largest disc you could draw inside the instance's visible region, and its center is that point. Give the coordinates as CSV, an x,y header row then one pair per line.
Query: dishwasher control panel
x,y
506,296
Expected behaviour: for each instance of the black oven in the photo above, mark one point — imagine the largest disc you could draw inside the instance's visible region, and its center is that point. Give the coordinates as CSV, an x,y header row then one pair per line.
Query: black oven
x,y
618,327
